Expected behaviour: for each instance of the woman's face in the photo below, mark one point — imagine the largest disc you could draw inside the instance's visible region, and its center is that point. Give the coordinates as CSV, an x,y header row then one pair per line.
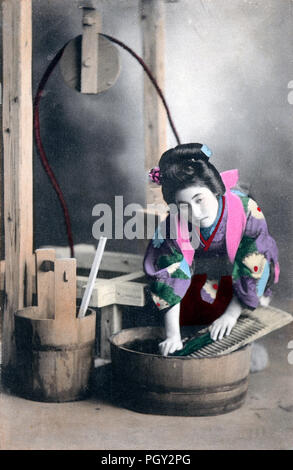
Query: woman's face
x,y
199,204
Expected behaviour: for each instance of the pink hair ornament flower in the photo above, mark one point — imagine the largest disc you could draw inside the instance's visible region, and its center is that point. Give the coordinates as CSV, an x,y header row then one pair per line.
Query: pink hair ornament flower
x,y
155,175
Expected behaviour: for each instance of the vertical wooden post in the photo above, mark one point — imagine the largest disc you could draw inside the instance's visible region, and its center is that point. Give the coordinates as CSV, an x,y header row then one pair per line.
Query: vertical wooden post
x,y
155,121
2,247
17,143
89,50
111,322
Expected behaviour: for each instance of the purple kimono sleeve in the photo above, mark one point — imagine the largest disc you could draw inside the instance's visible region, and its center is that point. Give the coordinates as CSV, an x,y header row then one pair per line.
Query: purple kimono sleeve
x,y
256,259
168,272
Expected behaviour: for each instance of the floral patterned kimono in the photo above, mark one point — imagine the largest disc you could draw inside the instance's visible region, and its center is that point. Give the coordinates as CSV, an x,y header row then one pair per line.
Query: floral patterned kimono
x,y
235,256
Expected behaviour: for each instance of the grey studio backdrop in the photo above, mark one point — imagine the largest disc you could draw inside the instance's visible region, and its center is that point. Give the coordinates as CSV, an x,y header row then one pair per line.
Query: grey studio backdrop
x,y
228,65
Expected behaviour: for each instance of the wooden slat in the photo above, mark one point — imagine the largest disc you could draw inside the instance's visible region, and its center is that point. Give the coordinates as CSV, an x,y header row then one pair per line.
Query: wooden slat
x,y
2,275
127,277
2,278
111,261
111,322
45,282
130,293
65,289
89,51
17,143
82,280
155,135
2,240
121,262
119,290
104,293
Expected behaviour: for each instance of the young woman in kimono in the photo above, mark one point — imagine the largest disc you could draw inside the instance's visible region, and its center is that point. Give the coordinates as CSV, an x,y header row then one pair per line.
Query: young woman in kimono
x,y
222,258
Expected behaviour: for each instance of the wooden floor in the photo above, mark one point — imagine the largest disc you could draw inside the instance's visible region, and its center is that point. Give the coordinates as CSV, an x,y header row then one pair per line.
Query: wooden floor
x,y
265,421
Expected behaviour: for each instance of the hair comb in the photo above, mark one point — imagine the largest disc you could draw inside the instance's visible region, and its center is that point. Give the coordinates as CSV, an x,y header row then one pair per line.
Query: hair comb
x,y
206,151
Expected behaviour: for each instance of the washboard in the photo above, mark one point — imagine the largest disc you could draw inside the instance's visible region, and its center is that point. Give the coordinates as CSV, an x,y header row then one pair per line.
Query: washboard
x,y
250,326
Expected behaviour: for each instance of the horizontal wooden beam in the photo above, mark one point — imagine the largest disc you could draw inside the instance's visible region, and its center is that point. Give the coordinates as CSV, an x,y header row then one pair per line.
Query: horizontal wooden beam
x,y
122,290
112,260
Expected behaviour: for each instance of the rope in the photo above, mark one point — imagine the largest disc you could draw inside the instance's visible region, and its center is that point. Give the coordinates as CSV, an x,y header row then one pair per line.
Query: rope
x,y
42,153
152,79
37,133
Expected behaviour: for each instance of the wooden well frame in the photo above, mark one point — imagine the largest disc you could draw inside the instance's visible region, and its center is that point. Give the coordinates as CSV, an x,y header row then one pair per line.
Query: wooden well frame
x,y
17,272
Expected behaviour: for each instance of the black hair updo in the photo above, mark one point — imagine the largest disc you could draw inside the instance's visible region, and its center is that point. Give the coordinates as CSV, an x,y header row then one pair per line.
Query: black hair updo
x,y
186,165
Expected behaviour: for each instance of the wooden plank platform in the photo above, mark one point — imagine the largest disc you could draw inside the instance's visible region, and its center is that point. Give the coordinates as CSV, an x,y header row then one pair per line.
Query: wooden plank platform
x,y
109,293
115,290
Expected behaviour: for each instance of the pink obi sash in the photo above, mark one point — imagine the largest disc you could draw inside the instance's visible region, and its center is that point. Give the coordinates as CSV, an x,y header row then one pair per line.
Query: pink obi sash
x,y
236,221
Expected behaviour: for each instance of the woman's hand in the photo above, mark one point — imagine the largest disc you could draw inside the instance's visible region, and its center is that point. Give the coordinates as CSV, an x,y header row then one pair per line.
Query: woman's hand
x,y
170,345
222,326
172,329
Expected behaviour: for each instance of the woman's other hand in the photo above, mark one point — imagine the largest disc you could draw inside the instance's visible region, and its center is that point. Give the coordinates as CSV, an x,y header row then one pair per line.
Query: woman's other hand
x,y
222,326
170,345
172,329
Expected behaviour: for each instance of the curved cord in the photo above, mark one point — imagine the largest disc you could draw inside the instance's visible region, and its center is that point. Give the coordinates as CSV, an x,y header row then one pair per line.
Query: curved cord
x,y
37,133
151,77
41,149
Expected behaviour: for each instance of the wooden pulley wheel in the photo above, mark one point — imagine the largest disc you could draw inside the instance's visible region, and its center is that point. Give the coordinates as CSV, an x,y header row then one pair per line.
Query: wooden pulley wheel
x,y
108,68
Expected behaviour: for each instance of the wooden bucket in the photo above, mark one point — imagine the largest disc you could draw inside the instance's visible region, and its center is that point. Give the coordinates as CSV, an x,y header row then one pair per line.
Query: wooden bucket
x,y
54,357
182,386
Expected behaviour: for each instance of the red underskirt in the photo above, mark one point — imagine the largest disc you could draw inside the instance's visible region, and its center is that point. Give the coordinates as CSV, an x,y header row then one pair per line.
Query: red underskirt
x,y
195,311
